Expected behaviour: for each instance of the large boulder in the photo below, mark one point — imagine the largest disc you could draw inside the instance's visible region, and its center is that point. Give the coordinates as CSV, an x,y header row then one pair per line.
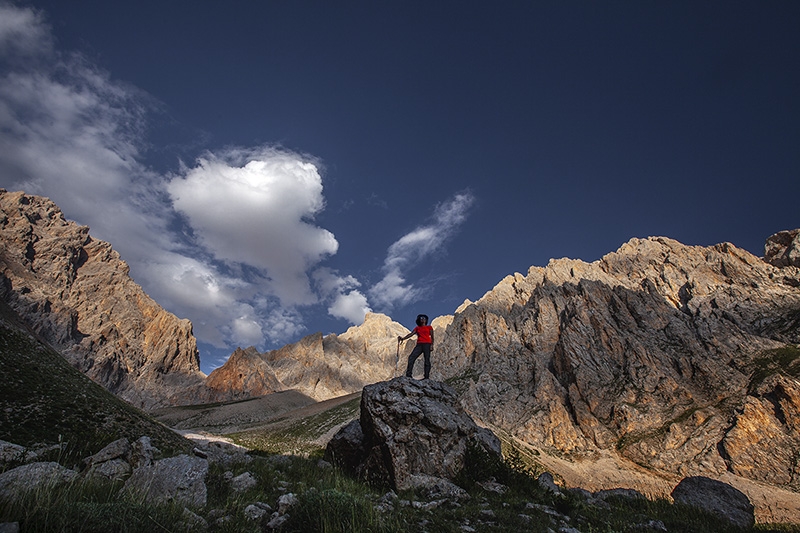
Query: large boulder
x,y
180,479
717,498
32,476
408,430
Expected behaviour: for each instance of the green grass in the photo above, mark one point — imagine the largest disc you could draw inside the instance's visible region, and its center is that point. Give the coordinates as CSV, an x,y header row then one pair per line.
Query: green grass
x,y
784,360
44,400
88,507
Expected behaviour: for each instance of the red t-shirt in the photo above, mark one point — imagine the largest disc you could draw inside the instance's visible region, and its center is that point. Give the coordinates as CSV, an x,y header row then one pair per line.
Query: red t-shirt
x,y
423,334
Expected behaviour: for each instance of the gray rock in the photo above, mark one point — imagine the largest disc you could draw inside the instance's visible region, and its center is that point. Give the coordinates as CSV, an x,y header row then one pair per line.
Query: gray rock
x,y
651,526
115,469
9,527
428,506
180,478
277,521
437,488
38,452
717,498
408,428
618,493
254,512
286,502
386,502
223,453
493,486
11,453
16,481
243,482
120,448
111,462
143,452
193,521
582,493
346,447
546,481
280,461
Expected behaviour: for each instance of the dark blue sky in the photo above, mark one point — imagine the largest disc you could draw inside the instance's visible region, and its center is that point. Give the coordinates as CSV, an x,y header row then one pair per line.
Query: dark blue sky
x,y
570,126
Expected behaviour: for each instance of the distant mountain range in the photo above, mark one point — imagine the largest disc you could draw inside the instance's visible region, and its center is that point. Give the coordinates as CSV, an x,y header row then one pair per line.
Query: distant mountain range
x,y
675,359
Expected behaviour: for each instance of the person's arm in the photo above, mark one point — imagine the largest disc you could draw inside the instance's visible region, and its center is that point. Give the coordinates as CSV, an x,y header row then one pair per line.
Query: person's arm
x,y
431,338
400,339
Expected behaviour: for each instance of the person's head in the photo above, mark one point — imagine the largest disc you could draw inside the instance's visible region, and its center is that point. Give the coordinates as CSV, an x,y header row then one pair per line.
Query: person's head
x,y
422,320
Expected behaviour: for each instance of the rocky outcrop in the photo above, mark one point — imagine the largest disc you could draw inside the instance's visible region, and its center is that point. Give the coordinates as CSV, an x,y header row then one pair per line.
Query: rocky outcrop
x,y
783,249
680,358
76,293
409,433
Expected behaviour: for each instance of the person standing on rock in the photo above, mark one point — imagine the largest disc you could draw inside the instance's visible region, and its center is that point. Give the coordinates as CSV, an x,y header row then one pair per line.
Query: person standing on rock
x,y
424,334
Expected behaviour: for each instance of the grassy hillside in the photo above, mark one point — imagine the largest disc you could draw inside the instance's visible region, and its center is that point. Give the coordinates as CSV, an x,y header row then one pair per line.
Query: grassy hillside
x,y
43,400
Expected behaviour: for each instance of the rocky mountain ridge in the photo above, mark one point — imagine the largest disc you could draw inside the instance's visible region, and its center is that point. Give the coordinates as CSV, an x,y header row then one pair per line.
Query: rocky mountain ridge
x,y
76,293
682,359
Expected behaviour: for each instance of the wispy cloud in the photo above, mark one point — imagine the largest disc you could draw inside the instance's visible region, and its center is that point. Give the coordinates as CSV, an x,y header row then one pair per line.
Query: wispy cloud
x,y
23,33
412,248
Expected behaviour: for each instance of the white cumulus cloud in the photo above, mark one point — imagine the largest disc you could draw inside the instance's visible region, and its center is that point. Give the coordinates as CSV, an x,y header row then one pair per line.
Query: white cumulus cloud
x,y
253,207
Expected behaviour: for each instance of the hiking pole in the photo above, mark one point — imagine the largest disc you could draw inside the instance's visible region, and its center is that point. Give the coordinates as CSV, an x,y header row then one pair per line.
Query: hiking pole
x,y
397,360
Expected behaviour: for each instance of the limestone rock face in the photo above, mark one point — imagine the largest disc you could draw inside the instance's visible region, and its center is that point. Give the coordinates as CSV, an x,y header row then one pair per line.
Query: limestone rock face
x,y
665,353
783,249
765,438
76,293
409,430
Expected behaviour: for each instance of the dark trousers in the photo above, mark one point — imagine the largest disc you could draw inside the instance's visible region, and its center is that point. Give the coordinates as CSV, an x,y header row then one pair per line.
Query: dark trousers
x,y
412,358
